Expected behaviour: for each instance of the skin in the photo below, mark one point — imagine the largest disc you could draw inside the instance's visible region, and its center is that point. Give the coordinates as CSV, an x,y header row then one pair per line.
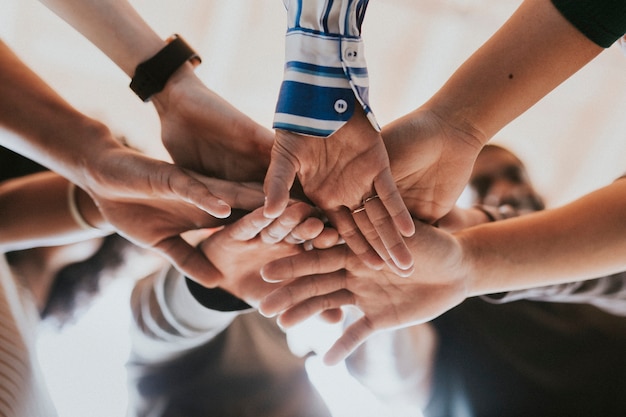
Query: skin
x,y
126,185
433,148
532,53
337,174
200,130
238,254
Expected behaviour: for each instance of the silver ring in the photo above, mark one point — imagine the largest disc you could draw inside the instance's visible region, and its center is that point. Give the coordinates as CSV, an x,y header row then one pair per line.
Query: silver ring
x,y
358,209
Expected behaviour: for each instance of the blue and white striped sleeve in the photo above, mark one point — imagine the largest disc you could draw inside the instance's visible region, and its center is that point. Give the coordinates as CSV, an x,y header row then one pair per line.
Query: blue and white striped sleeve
x,y
325,70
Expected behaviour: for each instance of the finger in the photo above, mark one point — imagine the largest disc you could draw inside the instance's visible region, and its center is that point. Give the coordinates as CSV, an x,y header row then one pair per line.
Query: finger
x,y
314,306
245,196
390,196
328,238
351,339
332,316
189,189
309,229
279,179
293,215
189,261
300,290
348,230
387,241
306,263
249,225
362,220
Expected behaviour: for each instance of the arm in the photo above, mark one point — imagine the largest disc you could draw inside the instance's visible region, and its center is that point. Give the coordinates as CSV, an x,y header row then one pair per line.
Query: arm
x,y
327,136
123,183
173,315
200,130
24,224
433,148
578,241
607,293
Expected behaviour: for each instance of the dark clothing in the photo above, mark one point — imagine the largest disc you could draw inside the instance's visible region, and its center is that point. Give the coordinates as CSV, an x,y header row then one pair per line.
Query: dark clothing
x,y
529,359
602,21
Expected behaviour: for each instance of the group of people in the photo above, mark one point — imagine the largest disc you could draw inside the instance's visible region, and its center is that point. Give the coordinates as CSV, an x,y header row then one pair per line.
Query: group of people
x,y
330,214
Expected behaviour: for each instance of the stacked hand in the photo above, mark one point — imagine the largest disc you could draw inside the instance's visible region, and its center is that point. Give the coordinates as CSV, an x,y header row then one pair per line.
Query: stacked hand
x,y
431,161
324,279
239,250
348,176
152,203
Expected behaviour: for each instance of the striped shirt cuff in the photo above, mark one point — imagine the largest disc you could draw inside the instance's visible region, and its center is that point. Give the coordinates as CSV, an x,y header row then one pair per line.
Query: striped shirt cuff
x,y
325,79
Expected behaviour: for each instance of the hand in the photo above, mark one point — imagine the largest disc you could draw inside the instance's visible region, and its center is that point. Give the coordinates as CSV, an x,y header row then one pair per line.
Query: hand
x,y
460,218
152,203
338,173
332,278
240,249
203,132
431,162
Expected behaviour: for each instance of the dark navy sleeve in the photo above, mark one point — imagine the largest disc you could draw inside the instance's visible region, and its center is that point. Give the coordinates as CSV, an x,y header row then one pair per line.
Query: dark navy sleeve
x,y
602,21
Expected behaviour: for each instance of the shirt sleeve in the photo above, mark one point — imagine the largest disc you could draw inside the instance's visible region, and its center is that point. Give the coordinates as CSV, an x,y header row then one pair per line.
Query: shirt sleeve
x,y
602,21
606,293
325,74
168,320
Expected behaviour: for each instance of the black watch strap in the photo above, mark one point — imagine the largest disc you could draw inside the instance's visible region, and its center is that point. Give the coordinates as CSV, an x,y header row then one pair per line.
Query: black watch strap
x,y
152,75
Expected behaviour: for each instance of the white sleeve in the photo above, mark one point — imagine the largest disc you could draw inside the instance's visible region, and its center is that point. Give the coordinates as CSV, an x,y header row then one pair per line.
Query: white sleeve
x,y
167,319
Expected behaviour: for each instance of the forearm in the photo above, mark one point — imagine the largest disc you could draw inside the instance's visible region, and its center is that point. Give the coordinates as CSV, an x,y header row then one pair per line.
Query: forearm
x,y
50,131
530,55
36,213
581,240
113,26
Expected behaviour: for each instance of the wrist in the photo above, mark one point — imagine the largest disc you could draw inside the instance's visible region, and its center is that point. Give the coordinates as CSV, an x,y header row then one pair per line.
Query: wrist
x,y
87,213
475,281
151,75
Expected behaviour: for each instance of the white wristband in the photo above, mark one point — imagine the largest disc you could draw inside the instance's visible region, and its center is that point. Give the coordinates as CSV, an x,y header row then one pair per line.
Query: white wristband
x,y
71,204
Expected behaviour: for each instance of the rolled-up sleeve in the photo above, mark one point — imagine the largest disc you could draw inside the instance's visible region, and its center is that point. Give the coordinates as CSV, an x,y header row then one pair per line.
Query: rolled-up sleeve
x,y
325,74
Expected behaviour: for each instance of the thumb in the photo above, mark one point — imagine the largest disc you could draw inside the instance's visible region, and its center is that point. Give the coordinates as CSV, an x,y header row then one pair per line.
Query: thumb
x,y
351,339
189,261
279,179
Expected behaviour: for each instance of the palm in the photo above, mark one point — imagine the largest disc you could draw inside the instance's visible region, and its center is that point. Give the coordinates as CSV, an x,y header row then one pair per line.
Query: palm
x,y
430,161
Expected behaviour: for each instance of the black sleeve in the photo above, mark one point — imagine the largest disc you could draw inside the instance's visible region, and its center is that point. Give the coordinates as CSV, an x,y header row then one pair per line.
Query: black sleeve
x,y
602,21
216,298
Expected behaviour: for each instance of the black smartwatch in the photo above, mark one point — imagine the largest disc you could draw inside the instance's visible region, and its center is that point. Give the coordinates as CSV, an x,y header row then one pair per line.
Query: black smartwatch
x,y
152,75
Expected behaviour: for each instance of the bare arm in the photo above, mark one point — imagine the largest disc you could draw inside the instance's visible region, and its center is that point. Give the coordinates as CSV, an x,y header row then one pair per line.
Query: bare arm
x,y
199,129
583,239
24,222
432,149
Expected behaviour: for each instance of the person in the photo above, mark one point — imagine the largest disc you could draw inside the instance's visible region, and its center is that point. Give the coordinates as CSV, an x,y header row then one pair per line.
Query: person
x,y
186,106
541,45
324,94
533,356
200,351
63,279
126,184
46,255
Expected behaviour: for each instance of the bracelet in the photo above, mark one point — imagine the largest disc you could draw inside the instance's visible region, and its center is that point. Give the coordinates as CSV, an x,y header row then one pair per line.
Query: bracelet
x,y
152,75
71,204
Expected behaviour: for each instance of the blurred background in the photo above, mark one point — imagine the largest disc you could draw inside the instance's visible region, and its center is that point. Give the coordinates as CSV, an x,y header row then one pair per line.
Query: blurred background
x,y
572,142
